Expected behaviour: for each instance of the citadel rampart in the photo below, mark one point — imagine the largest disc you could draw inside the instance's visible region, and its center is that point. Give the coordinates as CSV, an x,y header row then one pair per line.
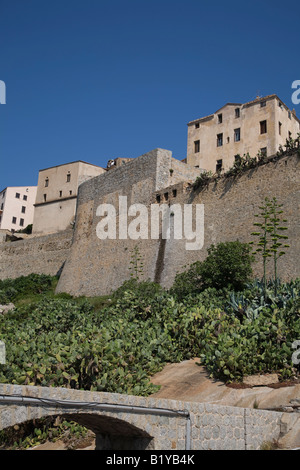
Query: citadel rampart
x,y
96,267
40,255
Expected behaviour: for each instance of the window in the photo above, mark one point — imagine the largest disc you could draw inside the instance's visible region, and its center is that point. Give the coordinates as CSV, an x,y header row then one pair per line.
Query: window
x,y
263,151
197,125
237,112
166,195
24,197
290,116
14,220
174,192
279,127
68,177
21,222
2,206
263,104
23,210
17,195
263,127
237,135
197,146
45,197
3,194
158,198
219,140
46,182
60,193
71,193
219,165
220,118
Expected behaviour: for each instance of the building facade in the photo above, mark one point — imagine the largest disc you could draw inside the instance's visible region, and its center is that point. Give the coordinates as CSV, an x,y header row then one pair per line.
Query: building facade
x,y
261,125
56,197
17,207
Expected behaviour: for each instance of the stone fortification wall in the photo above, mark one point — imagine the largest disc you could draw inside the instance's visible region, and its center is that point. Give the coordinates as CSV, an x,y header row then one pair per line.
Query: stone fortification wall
x,y
229,209
96,267
40,255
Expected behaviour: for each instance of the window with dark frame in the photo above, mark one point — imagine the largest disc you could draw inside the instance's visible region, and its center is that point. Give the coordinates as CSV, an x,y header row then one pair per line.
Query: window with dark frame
x,y
46,182
21,222
14,220
24,197
68,177
197,125
279,127
237,134
197,146
45,197
23,210
220,118
263,104
263,127
219,140
17,195
237,112
219,165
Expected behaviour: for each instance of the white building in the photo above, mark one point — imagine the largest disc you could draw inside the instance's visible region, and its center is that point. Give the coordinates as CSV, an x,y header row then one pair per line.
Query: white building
x,y
17,207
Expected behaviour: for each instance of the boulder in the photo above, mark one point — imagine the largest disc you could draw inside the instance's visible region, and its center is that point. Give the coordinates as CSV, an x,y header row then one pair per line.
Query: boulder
x,y
260,380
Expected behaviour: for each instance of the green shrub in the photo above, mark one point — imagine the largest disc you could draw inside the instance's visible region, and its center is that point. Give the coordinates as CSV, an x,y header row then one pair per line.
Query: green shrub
x,y
227,265
13,289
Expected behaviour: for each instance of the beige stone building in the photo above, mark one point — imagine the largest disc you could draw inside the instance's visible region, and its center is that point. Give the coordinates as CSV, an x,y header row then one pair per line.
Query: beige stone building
x,y
56,197
17,207
261,125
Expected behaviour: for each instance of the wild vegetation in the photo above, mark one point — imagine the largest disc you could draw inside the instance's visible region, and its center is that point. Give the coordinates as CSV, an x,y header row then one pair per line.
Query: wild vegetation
x,y
215,310
245,162
238,327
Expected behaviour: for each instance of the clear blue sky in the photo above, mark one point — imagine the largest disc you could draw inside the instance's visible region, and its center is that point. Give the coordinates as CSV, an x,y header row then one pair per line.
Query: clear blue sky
x,y
93,80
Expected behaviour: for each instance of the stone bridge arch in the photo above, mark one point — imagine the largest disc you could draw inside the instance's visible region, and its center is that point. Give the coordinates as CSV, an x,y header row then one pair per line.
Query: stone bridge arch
x,y
127,422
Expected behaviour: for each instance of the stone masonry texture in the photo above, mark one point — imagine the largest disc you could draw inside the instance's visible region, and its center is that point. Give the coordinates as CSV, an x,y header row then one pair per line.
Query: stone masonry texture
x,y
212,427
40,255
97,267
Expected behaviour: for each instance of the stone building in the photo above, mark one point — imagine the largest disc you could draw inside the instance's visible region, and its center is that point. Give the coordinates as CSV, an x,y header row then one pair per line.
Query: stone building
x,y
17,207
261,125
56,197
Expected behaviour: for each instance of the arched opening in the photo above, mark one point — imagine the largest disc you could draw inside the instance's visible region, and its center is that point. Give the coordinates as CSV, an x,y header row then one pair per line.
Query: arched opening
x,y
113,433
109,433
